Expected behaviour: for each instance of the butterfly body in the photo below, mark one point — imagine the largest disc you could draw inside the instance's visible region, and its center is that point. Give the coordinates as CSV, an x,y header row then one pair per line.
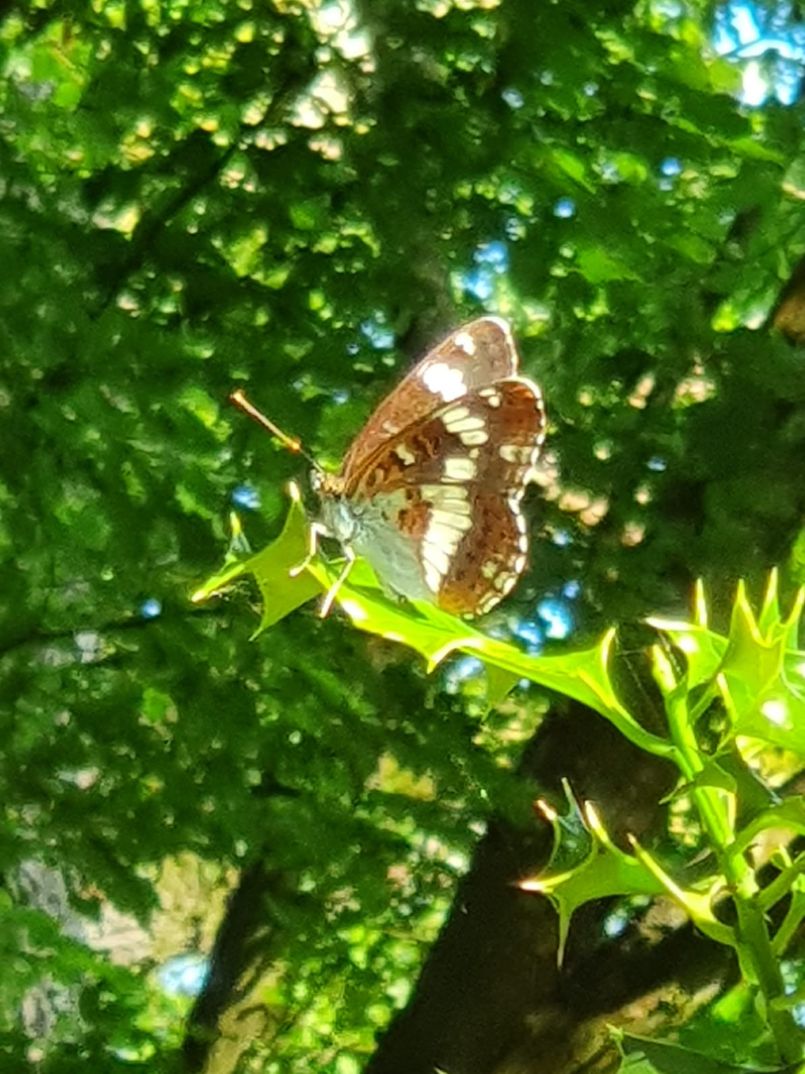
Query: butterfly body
x,y
370,529
429,492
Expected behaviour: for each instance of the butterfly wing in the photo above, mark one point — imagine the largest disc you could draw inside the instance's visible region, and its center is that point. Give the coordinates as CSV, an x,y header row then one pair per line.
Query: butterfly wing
x,y
451,485
476,355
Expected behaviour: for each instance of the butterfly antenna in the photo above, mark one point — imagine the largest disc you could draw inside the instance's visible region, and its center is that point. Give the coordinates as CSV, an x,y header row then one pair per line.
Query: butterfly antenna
x,y
290,443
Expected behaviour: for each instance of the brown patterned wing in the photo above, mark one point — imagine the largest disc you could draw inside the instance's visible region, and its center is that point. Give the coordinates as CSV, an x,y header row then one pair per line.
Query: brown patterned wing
x,y
476,355
453,483
489,560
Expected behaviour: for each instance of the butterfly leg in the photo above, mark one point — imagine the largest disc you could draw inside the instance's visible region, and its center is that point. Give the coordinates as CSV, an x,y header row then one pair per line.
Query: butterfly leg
x,y
316,530
332,592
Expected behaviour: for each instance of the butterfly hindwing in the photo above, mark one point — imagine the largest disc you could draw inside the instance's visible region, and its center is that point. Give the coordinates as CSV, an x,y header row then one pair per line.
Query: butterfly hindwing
x,y
475,583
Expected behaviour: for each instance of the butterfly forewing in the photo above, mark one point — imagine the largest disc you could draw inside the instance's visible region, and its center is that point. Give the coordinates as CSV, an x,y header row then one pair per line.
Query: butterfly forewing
x,y
479,354
491,436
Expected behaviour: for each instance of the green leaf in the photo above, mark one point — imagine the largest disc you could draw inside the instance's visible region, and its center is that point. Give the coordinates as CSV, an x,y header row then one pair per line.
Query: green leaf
x,y
564,163
599,266
281,591
789,815
582,675
692,246
665,1058
759,672
754,149
697,904
156,705
762,685
702,648
603,872
606,870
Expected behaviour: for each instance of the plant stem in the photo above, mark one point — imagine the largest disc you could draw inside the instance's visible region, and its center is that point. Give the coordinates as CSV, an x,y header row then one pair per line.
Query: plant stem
x,y
754,942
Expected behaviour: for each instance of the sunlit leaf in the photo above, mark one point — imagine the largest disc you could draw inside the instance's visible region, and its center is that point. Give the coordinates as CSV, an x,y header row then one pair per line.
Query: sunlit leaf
x,y
645,1056
281,590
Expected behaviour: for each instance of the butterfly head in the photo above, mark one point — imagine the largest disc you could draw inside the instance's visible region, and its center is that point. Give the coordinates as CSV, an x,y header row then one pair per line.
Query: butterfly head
x,y
326,486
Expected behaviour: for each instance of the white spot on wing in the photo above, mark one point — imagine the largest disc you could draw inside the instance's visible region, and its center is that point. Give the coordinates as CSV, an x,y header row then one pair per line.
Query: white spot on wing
x,y
504,582
405,455
435,556
450,497
456,521
465,342
516,453
432,577
474,436
459,420
443,540
444,380
459,468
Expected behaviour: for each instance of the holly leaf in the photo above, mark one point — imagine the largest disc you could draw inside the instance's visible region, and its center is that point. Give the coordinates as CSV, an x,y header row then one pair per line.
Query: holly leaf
x,y
282,588
644,1056
582,675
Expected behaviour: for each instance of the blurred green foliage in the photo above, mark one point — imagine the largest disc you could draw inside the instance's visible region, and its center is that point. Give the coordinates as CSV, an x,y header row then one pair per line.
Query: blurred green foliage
x,y
298,197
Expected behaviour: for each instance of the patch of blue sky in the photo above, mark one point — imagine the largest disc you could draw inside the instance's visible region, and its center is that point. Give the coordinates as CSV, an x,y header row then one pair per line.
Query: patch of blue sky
x,y
555,613
670,170
494,253
616,922
792,980
491,260
479,282
464,669
513,97
531,633
610,172
379,335
770,46
150,608
183,975
564,208
246,497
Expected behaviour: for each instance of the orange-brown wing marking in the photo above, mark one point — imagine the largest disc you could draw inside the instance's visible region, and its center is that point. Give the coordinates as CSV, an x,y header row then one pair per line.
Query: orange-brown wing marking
x,y
475,583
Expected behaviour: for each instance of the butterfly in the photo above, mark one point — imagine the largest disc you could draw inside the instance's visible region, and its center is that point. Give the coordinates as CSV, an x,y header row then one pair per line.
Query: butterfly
x,y
430,490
